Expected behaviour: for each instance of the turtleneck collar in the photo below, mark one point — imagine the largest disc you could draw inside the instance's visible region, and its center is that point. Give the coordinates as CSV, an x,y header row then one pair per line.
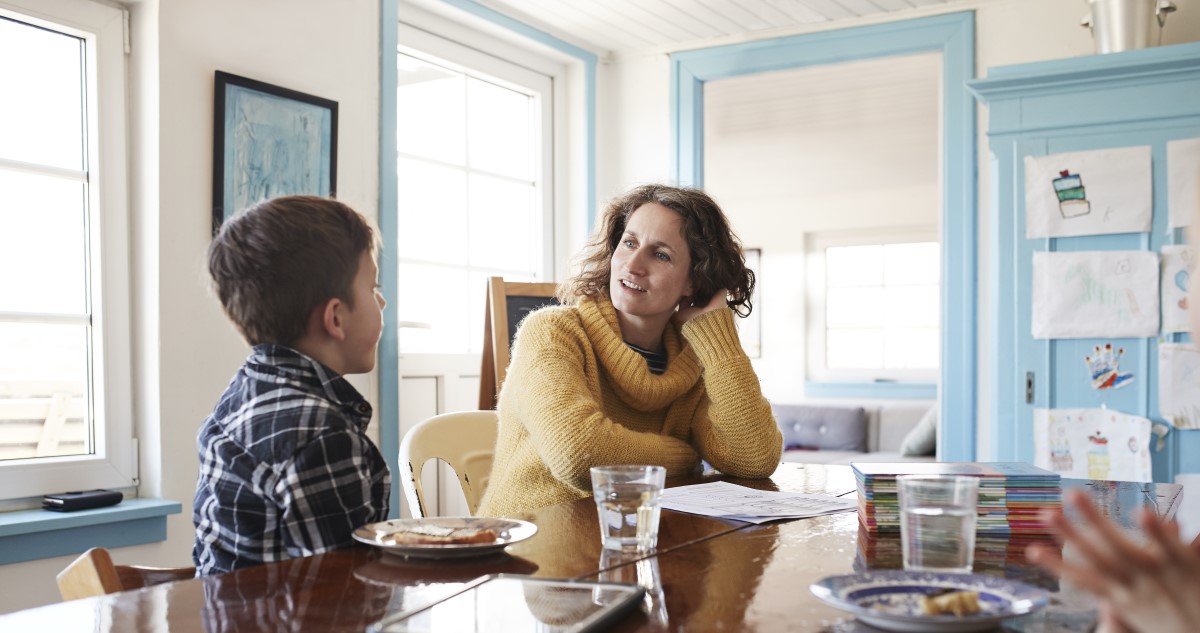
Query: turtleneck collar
x,y
627,368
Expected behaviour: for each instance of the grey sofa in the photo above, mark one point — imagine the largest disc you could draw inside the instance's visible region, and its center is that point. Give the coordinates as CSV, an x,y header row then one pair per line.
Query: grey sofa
x,y
838,432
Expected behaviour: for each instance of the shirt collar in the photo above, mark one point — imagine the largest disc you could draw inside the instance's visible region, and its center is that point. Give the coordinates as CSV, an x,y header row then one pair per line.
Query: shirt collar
x,y
281,363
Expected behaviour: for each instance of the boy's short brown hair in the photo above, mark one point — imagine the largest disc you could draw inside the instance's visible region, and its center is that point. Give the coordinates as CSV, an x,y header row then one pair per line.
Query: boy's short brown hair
x,y
277,260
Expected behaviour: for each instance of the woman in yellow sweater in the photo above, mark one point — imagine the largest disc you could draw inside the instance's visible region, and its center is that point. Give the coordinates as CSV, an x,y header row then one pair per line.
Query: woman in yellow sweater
x,y
641,365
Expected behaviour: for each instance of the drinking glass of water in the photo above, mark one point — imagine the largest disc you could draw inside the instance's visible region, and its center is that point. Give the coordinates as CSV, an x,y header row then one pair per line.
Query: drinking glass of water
x,y
937,522
627,500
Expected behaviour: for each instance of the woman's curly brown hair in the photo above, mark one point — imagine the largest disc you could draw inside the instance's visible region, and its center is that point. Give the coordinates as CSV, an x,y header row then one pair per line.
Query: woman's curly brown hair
x,y
718,263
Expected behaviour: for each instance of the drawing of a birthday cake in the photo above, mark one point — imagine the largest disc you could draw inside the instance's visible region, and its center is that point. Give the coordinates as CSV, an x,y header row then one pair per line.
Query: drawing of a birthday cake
x,y
1072,197
1099,463
1060,451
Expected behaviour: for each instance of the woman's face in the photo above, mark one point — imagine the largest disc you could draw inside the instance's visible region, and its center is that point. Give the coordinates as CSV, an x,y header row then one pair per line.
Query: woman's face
x,y
651,266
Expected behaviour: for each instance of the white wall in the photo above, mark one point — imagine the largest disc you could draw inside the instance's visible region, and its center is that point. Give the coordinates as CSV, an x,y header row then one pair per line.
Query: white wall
x,y
634,123
186,350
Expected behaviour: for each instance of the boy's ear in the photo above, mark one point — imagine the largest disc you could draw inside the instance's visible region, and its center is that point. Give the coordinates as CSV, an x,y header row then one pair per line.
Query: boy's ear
x,y
332,316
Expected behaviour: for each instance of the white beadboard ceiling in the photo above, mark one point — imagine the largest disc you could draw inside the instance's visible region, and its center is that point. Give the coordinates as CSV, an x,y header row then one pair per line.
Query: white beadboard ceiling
x,y
624,27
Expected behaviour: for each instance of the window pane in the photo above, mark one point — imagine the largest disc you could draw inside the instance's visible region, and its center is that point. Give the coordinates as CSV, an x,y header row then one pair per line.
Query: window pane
x,y
430,111
43,390
504,231
45,125
851,349
436,296
432,211
854,266
499,130
916,263
912,348
43,247
912,306
854,307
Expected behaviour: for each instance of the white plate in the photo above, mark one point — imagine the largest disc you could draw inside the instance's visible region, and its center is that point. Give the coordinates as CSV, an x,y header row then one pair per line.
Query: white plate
x,y
891,599
509,530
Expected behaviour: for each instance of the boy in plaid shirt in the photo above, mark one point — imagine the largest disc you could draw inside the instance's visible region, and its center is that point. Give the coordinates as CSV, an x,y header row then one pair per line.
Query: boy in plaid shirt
x,y
286,467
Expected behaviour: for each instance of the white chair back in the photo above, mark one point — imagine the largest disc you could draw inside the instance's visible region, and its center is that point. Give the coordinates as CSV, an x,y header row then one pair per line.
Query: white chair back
x,y
465,440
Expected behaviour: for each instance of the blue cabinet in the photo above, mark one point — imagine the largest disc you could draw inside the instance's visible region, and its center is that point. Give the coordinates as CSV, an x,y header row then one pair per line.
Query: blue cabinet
x,y
1137,98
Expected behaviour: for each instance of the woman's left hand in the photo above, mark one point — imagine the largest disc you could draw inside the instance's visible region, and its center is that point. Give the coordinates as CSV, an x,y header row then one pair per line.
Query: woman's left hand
x,y
720,299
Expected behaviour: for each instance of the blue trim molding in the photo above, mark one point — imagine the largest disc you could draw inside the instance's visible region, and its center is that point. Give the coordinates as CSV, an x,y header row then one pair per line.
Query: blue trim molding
x,y
882,390
952,35
28,535
389,344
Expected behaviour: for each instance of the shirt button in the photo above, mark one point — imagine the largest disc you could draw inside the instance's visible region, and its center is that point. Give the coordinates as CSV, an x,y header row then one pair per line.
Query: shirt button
x,y
363,408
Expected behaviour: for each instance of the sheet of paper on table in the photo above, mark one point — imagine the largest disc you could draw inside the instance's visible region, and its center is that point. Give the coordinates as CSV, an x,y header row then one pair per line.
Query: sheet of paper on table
x,y
731,501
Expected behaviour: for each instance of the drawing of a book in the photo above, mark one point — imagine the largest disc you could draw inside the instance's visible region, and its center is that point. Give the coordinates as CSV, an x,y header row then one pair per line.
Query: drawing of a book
x,y
1072,197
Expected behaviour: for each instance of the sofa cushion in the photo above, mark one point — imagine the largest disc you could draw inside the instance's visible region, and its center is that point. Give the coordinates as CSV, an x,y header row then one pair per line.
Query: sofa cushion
x,y
822,428
922,439
894,421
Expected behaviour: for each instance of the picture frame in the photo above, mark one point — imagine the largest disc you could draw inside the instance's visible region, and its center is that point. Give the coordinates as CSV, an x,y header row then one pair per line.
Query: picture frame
x,y
269,141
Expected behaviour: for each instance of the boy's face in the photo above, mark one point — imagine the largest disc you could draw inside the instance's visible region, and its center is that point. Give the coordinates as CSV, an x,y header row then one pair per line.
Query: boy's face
x,y
365,321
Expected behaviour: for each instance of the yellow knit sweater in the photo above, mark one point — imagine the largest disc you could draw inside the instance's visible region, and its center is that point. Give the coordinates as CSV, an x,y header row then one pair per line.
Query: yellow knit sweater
x,y
577,396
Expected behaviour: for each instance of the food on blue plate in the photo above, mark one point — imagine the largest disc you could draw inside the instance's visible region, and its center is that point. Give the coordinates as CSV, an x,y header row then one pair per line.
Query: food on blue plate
x,y
957,603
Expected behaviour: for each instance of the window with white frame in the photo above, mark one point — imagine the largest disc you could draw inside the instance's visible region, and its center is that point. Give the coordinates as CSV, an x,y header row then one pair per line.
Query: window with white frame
x,y
474,194
65,411
874,306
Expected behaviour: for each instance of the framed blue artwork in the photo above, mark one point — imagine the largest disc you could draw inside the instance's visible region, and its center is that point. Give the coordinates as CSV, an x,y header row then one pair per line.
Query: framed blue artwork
x,y
269,141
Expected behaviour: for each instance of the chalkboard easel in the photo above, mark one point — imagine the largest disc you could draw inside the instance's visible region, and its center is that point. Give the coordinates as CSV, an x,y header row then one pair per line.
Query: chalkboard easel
x,y
507,303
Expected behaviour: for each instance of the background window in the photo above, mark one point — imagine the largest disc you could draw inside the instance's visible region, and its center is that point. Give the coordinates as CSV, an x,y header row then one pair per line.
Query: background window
x,y
64,373
45,315
471,198
874,308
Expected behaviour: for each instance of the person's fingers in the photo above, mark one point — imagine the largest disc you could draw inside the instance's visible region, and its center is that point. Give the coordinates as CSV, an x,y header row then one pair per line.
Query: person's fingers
x,y
1164,535
1092,548
1109,621
1105,541
1083,576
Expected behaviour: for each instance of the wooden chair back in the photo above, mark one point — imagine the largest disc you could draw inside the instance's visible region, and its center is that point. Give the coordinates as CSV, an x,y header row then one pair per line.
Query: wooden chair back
x,y
94,574
507,303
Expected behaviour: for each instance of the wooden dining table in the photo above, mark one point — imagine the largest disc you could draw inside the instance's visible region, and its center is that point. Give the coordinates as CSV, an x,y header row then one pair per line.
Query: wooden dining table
x,y
706,574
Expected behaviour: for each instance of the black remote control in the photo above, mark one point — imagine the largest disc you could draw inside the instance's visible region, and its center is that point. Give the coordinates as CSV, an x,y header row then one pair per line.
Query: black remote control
x,y
85,500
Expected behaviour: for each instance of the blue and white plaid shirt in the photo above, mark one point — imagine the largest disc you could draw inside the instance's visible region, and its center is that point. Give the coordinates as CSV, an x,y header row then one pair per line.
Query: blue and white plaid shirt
x,y
286,467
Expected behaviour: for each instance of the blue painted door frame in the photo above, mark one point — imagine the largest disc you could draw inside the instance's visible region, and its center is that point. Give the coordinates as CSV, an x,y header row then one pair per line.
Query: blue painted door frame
x,y
1135,98
953,36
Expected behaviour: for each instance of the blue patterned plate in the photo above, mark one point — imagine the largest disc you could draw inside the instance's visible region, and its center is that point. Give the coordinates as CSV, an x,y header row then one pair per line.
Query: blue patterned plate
x,y
891,599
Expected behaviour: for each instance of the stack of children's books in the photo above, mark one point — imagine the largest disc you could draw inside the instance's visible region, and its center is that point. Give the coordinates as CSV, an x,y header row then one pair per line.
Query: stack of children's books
x,y
1012,495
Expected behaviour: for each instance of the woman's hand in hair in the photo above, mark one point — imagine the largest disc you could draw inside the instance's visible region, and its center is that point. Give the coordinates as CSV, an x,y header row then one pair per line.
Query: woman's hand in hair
x,y
687,311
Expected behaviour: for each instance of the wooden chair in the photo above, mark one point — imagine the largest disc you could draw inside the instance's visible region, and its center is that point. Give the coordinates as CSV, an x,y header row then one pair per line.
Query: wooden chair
x,y
93,574
507,303
465,440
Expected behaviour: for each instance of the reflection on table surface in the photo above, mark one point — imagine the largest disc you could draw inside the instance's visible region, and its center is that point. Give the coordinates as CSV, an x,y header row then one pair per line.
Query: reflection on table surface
x,y
707,574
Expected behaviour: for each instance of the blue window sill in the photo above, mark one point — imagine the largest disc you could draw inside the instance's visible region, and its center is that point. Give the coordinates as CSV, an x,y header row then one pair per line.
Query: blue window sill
x,y
894,390
28,535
